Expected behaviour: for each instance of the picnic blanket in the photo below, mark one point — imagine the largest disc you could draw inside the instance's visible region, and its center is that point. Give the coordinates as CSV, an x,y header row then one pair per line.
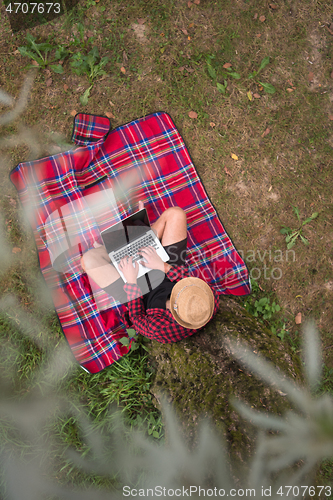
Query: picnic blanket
x,y
72,196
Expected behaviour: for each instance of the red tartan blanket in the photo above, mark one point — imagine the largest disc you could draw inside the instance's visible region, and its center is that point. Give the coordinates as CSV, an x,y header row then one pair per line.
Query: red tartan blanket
x,y
72,196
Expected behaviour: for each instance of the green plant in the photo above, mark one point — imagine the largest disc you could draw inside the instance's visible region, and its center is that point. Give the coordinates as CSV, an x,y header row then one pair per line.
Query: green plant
x,y
280,332
90,65
138,340
39,53
212,71
264,308
261,308
261,305
211,67
266,86
79,41
155,426
292,234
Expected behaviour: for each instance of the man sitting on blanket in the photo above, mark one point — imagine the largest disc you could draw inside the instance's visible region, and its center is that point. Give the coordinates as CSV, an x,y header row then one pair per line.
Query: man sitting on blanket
x,y
176,308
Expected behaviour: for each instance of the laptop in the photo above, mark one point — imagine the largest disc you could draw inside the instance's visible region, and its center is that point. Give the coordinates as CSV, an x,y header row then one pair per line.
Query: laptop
x,y
128,236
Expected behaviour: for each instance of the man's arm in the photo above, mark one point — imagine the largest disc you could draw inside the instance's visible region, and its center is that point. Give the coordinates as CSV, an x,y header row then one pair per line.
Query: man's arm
x,y
167,267
176,273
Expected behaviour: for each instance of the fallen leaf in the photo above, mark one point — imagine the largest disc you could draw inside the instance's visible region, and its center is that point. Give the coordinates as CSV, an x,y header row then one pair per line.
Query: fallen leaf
x,y
290,90
197,2
189,4
249,95
258,35
189,70
227,171
267,131
212,124
290,83
185,32
234,157
273,6
16,250
73,112
16,52
109,114
123,70
255,16
227,65
330,117
48,82
310,76
65,86
35,63
298,318
48,72
181,68
270,188
193,114
141,21
262,19
191,25
189,38
261,88
111,103
257,96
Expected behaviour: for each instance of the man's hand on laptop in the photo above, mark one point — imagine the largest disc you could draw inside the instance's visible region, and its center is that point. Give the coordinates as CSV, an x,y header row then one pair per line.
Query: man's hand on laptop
x,y
130,272
153,260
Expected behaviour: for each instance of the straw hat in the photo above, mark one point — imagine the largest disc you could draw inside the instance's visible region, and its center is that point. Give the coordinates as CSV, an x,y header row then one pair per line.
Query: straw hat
x,y
192,302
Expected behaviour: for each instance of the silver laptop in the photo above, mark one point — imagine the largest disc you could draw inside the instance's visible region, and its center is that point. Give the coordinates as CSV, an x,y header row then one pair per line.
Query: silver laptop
x,y
128,236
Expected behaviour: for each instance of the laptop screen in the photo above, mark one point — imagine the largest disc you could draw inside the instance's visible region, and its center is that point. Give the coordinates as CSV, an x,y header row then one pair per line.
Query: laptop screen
x,y
126,231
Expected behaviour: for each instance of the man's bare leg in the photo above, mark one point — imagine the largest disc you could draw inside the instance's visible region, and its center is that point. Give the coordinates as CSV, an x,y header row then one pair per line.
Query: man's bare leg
x,y
171,226
97,264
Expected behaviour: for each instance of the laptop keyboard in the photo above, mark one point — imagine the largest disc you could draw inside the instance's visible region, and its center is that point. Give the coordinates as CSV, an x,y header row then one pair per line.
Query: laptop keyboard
x,y
132,248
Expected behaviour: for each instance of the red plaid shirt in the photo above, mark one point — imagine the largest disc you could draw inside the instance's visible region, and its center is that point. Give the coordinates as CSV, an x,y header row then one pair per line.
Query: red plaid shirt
x,y
158,324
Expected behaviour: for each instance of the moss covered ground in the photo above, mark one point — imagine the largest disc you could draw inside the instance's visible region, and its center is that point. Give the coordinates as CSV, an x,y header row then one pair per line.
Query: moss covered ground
x,y
201,377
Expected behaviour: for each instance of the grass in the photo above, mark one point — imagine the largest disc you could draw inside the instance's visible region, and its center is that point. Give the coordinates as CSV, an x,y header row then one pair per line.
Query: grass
x,y
167,70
